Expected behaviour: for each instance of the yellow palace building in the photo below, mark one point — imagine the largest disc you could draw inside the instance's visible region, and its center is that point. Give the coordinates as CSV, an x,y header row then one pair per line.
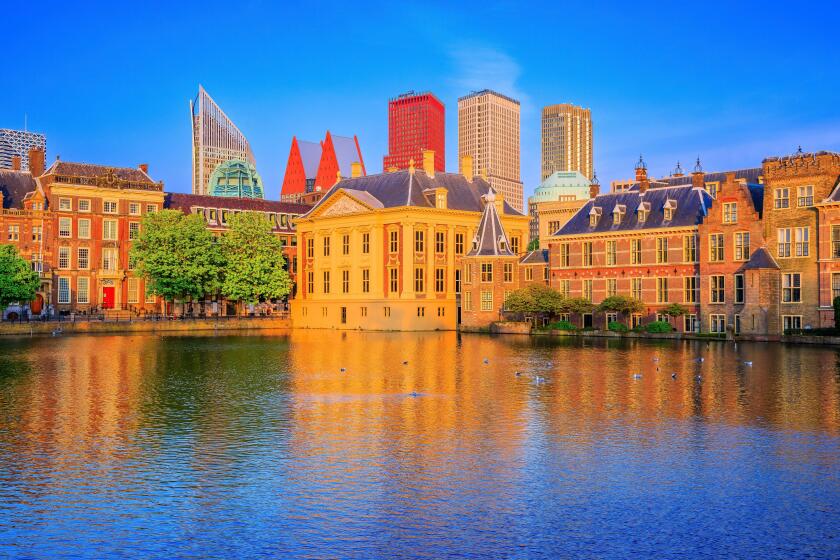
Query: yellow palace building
x,y
383,252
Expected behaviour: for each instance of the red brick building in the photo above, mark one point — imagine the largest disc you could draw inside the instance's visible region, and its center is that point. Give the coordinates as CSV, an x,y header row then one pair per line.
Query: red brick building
x,y
416,122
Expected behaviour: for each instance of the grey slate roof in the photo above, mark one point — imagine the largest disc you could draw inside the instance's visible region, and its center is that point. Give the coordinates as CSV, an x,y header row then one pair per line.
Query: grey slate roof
x,y
185,201
15,185
402,188
692,204
750,175
490,238
761,258
346,153
835,193
310,154
537,256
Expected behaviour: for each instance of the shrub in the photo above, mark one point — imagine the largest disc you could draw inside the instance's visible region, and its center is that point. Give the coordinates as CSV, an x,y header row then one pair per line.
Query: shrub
x,y
658,327
615,326
561,326
639,328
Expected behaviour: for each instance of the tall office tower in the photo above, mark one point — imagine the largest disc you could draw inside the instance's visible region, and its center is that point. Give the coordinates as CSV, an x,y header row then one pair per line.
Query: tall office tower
x,y
18,143
488,130
415,123
566,140
216,140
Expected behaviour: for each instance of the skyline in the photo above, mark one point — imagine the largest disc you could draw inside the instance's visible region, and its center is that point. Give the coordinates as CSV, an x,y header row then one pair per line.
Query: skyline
x,y
292,80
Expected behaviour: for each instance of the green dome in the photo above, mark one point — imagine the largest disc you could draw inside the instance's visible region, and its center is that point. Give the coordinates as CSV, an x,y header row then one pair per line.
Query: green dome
x,y
236,178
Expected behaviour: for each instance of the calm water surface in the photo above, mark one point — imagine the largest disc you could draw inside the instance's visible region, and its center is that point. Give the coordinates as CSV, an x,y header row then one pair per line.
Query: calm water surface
x,y
182,446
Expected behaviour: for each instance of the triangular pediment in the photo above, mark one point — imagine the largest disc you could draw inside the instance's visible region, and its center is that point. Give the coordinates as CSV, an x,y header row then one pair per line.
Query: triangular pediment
x,y
342,204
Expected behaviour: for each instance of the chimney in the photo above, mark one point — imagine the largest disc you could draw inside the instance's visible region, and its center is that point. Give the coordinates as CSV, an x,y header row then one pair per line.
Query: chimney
x,y
730,180
429,163
641,170
355,170
697,176
337,177
467,168
144,167
16,163
36,161
594,189
411,166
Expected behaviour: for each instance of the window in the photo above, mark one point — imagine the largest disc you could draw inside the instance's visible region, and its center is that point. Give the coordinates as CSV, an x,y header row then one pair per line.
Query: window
x,y
716,286
37,233
326,246
635,320
459,243
37,262
109,230
65,205
662,290
635,251
345,244
363,311
63,289
514,244
611,253
587,289
365,280
690,289
151,208
717,323
835,242
65,227
730,212
486,272
690,323
326,282
83,289
64,257
690,248
393,241
468,273
612,287
805,196
617,216
529,274
791,322
133,230
739,288
565,287
784,237
457,280
109,207
365,243
84,228
712,189
716,247
84,205
439,280
668,214
83,258
14,233
134,210
343,315
593,219
661,250
642,215
419,241
611,318
393,276
586,249
802,241
564,255
310,248
345,281
133,286
150,298
791,288
636,288
486,300
782,198
742,245
835,285
109,259
440,242
508,273
386,311
467,301
310,282
441,311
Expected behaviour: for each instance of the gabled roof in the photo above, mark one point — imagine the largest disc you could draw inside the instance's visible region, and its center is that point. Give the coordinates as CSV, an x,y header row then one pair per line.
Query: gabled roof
x,y
185,201
310,155
757,195
692,204
761,258
537,256
490,238
15,185
835,193
404,188
346,152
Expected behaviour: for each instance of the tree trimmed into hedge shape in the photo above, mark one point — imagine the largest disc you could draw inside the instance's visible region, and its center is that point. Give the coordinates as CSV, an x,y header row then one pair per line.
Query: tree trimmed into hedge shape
x,y
577,305
178,256
255,266
536,298
18,282
621,304
675,310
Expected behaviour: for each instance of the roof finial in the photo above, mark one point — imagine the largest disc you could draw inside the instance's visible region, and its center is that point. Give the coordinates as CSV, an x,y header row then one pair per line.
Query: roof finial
x,y
641,164
411,166
799,151
595,180
697,167
678,171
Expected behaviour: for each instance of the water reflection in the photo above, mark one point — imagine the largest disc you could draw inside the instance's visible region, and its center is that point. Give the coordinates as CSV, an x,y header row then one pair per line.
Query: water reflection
x,y
323,444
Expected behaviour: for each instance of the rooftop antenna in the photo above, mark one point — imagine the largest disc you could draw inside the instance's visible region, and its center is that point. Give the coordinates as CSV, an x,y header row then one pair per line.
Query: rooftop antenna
x,y
25,122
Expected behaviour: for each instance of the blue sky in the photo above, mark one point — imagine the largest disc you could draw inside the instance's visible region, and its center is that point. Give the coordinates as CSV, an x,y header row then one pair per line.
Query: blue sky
x,y
731,83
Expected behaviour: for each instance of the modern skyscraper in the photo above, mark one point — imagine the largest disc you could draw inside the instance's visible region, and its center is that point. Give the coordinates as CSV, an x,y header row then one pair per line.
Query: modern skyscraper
x,y
566,140
18,143
215,140
488,130
415,123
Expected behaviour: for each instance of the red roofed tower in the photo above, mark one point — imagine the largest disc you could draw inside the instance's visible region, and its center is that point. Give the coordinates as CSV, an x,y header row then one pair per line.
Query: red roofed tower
x,y
337,155
294,181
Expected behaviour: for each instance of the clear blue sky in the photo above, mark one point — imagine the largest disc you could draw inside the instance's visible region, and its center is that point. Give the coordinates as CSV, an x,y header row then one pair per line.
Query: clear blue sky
x,y
732,83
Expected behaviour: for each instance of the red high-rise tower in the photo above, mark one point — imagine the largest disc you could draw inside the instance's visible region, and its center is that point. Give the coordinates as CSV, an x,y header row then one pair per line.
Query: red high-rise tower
x,y
415,123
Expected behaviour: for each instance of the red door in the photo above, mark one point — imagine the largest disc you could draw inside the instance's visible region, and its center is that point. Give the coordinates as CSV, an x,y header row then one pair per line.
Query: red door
x,y
108,297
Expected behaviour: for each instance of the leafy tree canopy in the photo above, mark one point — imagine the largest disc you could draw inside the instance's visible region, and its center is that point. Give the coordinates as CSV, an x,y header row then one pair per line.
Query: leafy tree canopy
x,y
621,304
536,298
18,282
675,310
577,305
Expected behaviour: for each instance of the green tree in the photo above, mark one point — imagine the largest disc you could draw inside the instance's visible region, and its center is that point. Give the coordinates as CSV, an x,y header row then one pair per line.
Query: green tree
x,y
621,304
18,282
675,310
577,305
534,244
536,298
177,255
255,262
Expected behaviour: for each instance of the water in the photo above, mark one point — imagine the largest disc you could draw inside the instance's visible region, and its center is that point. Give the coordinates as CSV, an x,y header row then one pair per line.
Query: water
x,y
259,445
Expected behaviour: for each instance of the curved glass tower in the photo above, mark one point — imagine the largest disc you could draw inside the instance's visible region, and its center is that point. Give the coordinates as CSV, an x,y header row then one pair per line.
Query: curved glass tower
x,y
235,178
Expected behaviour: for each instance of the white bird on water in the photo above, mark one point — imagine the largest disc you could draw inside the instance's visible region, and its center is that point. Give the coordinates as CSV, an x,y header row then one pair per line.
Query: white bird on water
x,y
748,363
486,361
637,376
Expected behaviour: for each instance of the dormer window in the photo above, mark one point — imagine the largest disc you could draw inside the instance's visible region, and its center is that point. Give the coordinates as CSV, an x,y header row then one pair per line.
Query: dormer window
x,y
594,216
502,243
642,211
475,243
618,213
669,208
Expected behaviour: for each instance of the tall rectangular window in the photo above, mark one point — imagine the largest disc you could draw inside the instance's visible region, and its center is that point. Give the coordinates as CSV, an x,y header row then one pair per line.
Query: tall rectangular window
x,y
440,242
393,241
326,246
611,253
310,282
84,228
565,287
690,289
661,250
83,290
109,230
133,288
365,280
133,230
64,257
365,243
835,285
440,280
486,300
564,255
586,249
805,196
782,198
345,244
612,287
791,288
109,259
802,241
467,301
14,233
514,244
742,245
486,272
690,248
635,251
739,288
716,247
636,288
63,289
784,238
835,242
419,241
419,279
459,243
662,290
345,281
65,227
326,282
730,212
37,233
83,258
508,273
716,287
310,248
587,289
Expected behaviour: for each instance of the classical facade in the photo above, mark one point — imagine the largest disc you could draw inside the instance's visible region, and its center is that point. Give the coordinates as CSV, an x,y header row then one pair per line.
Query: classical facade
x,y
567,140
385,252
488,130
416,122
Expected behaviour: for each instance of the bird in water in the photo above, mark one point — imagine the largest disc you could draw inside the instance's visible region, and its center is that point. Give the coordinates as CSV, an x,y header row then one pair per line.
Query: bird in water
x,y
518,373
405,362
748,363
637,376
701,359
343,370
539,380
486,361
415,394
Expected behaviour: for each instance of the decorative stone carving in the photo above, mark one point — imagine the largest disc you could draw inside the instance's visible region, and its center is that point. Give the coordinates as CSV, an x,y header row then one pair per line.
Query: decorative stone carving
x,y
344,206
